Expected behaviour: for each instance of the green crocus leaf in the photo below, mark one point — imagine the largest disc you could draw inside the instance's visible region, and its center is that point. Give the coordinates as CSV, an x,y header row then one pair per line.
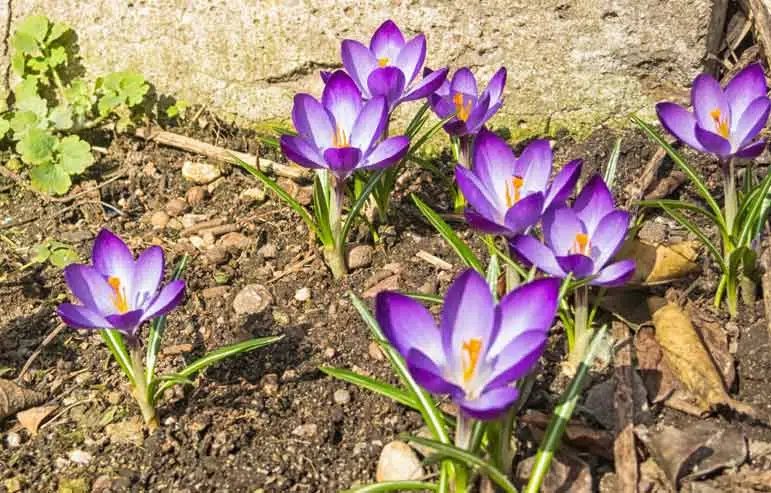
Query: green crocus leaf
x,y
49,178
35,26
74,155
37,146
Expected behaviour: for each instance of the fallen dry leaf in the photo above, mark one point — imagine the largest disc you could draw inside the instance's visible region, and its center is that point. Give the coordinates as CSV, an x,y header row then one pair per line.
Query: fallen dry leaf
x,y
660,264
567,473
32,418
14,398
686,356
577,434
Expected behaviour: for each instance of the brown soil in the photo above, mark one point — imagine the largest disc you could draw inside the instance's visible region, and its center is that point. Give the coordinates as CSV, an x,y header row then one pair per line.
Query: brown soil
x,y
265,421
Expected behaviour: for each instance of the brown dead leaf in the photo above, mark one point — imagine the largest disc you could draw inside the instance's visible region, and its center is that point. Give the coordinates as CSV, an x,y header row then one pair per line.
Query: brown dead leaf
x,y
32,418
653,479
577,434
688,359
567,473
14,398
659,264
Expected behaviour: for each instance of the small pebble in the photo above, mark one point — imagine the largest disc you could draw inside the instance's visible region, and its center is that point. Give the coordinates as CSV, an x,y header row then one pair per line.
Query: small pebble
x,y
189,220
360,256
306,431
375,352
268,250
80,457
200,173
217,255
215,292
302,294
342,396
329,353
196,195
176,207
398,462
159,219
270,384
252,299
235,241
12,439
254,195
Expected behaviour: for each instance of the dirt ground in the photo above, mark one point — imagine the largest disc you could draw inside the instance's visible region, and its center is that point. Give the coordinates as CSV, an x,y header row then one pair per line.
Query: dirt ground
x,y
270,420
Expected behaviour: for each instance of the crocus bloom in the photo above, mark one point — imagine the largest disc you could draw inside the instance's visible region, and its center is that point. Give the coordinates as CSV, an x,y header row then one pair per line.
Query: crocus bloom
x,y
508,195
462,98
582,240
341,132
724,121
390,66
118,292
480,347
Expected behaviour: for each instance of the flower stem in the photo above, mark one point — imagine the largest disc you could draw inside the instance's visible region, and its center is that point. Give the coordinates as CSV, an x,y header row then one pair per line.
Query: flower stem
x,y
140,390
581,330
334,255
465,150
463,430
729,190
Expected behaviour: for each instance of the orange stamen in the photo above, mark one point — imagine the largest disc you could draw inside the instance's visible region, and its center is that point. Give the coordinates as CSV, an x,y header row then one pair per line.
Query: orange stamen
x,y
340,140
516,183
473,349
721,125
382,62
118,299
463,110
581,244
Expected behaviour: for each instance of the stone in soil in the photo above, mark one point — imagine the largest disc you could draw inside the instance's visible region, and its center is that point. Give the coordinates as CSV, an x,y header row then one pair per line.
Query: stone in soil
x,y
360,256
253,299
200,173
176,207
196,195
306,431
342,396
390,283
268,250
159,219
234,241
254,195
398,462
302,294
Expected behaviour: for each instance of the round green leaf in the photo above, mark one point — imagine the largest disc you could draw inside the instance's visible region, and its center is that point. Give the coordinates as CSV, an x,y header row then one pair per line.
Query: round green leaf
x,y
22,122
74,155
40,253
49,178
63,257
36,147
35,26
61,117
57,31
25,44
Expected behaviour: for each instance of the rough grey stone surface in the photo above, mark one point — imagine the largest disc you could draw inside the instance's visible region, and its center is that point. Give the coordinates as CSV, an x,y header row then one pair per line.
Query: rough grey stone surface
x,y
572,63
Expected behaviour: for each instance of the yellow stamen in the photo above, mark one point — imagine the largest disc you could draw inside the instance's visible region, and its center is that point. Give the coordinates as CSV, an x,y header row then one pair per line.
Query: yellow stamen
x,y
581,244
340,140
463,110
516,183
118,299
721,125
473,349
382,62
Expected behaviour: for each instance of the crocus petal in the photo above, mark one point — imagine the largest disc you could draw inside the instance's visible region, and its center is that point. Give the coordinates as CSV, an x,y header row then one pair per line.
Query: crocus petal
x,y
481,223
342,160
517,312
615,274
112,258
467,313
593,203
534,166
325,75
408,325
126,322
412,57
706,97
747,86
713,142
388,82
494,163
387,153
81,317
426,86
464,82
170,296
148,274
753,150
342,98
563,184
560,227
478,115
428,375
478,196
490,405
495,86
751,122
91,288
679,122
608,237
359,62
537,254
312,121
524,214
518,358
492,110
370,124
442,106
387,41
296,149
579,265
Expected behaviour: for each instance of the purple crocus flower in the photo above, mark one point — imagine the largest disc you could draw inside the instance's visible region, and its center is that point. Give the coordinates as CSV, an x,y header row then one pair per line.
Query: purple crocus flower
x,y
508,195
480,347
118,292
341,132
390,66
723,122
462,98
582,240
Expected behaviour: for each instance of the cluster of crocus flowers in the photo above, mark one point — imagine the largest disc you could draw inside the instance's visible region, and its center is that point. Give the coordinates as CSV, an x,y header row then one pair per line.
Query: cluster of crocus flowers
x,y
342,132
507,195
117,291
724,122
461,97
480,347
390,66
